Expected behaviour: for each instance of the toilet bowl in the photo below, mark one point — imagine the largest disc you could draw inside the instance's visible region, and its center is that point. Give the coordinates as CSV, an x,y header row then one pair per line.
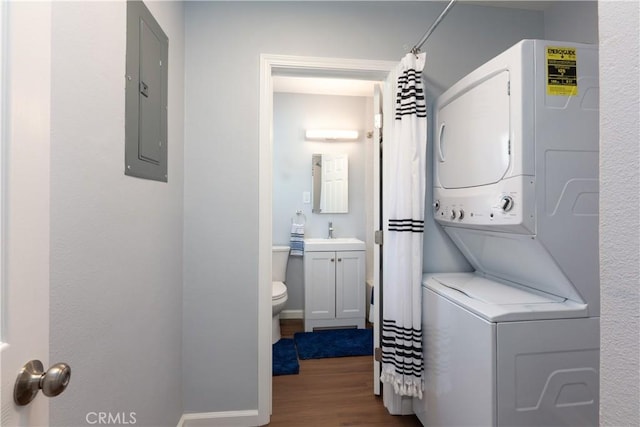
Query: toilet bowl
x,y
279,260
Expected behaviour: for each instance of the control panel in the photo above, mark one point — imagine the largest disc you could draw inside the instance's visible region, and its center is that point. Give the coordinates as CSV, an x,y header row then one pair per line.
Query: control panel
x,y
507,207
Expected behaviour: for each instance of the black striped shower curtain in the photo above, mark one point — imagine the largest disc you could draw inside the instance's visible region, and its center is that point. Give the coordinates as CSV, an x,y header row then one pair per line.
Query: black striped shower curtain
x,y
401,340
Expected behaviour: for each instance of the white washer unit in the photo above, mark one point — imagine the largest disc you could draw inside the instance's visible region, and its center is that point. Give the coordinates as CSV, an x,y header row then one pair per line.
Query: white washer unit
x,y
516,188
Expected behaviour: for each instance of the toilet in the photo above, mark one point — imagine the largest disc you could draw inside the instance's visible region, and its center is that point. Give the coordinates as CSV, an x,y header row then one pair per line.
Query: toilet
x,y
279,260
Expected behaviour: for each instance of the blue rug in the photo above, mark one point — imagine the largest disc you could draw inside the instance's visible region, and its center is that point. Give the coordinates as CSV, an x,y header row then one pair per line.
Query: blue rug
x,y
334,343
285,358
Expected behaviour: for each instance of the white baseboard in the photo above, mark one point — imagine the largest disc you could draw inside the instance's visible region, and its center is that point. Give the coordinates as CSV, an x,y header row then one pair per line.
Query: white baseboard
x,y
220,419
292,314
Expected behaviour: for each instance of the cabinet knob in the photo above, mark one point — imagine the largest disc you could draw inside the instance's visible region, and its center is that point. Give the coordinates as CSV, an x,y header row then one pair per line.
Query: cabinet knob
x,y
339,259
332,260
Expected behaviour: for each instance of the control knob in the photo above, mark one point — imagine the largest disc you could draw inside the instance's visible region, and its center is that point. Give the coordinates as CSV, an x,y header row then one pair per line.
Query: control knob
x,y
506,203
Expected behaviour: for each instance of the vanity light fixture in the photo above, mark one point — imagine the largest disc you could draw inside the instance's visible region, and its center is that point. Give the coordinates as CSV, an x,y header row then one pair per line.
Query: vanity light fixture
x,y
331,135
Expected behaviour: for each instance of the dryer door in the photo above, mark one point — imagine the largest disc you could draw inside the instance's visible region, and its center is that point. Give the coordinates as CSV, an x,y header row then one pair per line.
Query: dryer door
x,y
472,135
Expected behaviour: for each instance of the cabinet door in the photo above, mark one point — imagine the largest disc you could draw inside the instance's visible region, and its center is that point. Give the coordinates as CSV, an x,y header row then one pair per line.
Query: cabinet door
x,y
350,284
320,285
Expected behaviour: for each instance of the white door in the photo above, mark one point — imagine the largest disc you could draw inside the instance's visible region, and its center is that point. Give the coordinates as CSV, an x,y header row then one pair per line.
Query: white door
x,y
384,101
25,127
377,225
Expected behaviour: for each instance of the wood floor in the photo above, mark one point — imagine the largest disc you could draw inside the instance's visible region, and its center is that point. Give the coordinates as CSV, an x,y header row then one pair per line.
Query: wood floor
x,y
330,392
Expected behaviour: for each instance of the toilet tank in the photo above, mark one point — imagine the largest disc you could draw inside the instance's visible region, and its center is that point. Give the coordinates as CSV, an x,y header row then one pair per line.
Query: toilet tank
x,y
279,259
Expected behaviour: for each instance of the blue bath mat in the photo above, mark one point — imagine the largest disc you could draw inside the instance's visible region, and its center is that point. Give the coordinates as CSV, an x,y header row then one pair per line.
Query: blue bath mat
x,y
285,358
334,343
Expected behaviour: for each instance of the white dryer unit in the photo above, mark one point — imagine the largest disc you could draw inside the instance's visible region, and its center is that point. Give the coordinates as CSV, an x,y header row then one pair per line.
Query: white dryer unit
x,y
516,188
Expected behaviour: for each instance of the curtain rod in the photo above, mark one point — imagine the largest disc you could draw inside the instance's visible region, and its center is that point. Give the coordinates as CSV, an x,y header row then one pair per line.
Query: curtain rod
x,y
424,38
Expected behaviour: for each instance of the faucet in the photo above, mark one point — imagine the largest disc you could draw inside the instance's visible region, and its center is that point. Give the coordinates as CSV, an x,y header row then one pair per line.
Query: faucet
x,y
330,230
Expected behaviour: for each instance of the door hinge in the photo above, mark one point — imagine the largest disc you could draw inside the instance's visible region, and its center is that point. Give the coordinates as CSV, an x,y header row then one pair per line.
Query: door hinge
x,y
378,237
509,88
377,121
377,354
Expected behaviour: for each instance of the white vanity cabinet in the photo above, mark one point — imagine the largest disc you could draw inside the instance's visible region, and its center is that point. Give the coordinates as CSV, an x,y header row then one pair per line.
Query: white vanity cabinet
x,y
334,287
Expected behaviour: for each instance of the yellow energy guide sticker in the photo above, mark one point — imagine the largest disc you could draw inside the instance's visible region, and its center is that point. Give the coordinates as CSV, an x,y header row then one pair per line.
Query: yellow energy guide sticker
x,y
562,71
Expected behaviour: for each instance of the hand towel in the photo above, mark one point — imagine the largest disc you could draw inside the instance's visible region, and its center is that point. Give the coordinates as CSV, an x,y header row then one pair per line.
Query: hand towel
x,y
297,239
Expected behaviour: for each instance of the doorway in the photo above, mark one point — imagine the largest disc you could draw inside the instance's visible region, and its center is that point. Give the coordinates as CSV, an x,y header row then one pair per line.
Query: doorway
x,y
271,65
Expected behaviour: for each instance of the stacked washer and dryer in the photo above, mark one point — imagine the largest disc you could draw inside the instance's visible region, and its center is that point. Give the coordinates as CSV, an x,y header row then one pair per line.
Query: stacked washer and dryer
x,y
516,342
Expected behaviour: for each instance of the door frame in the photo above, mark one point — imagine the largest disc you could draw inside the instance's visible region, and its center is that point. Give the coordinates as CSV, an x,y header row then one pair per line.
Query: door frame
x,y
300,66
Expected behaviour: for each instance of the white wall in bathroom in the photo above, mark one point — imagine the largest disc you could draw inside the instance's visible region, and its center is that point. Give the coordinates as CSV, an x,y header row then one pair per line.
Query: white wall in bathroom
x,y
292,115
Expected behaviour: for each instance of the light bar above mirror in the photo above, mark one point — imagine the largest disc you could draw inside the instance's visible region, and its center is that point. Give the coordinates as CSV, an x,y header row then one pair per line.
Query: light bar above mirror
x,y
331,135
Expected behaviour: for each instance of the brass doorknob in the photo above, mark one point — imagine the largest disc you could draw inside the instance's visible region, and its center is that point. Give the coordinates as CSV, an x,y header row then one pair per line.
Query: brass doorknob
x,y
32,378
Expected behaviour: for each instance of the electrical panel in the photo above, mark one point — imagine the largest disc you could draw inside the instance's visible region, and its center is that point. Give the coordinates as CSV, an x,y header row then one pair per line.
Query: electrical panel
x,y
146,95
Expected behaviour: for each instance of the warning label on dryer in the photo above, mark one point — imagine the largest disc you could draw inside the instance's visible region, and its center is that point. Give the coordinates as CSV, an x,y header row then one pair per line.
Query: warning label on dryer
x,y
562,71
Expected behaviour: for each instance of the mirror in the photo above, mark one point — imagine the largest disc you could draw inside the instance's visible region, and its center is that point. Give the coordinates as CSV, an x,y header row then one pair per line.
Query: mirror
x,y
330,183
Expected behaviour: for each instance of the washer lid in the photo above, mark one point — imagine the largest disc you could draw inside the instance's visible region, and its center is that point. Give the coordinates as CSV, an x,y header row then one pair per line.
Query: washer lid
x,y
278,290
491,292
497,301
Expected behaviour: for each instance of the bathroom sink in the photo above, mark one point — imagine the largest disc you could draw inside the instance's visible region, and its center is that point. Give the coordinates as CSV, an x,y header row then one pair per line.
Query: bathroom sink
x,y
337,244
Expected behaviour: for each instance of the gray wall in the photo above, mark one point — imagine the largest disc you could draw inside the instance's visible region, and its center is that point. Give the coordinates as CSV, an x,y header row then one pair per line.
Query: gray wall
x,y
573,21
292,114
223,45
116,241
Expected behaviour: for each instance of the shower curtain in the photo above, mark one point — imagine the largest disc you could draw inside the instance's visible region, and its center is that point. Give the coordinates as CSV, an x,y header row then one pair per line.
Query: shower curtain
x,y
401,340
